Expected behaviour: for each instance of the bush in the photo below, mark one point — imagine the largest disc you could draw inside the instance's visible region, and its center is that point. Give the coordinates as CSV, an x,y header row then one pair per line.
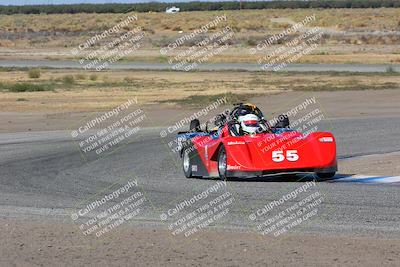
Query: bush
x,y
252,42
34,73
68,80
93,77
128,80
80,76
27,87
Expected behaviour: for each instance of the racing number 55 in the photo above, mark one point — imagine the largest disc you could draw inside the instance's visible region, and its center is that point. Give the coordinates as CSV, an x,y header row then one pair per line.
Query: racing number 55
x,y
278,156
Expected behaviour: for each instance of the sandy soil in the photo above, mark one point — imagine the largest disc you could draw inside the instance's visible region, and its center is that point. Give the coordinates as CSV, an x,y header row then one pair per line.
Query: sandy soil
x,y
51,244
379,164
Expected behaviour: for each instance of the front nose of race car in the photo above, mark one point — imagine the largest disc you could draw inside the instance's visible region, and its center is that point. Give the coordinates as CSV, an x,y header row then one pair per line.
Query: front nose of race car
x,y
287,151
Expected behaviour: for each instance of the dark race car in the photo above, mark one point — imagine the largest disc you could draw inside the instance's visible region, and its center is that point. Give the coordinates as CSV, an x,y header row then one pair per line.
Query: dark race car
x,y
244,145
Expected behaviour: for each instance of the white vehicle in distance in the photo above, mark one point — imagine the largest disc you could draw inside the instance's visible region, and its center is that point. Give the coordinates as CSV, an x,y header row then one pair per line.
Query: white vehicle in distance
x,y
172,9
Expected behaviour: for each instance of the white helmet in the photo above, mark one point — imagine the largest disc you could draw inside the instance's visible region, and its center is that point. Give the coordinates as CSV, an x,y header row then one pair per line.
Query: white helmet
x,y
249,123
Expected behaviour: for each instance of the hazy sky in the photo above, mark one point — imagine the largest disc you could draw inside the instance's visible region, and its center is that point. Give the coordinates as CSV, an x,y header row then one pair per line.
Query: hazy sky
x,y
55,2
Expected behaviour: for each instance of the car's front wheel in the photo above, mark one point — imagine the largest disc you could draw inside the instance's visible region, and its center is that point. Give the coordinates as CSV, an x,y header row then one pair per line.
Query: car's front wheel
x,y
325,175
186,163
222,165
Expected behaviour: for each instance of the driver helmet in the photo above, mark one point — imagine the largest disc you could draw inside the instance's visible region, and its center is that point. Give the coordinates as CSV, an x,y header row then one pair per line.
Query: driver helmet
x,y
249,123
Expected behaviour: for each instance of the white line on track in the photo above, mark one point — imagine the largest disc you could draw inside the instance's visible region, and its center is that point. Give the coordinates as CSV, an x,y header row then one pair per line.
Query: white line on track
x,y
371,179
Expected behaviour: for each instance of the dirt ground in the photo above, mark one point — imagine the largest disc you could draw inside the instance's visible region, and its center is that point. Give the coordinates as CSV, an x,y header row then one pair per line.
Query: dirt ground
x,y
52,244
379,164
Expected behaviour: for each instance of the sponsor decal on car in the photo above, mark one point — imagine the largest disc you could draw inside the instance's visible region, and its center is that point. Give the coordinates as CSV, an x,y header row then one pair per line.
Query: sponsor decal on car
x,y
233,167
236,143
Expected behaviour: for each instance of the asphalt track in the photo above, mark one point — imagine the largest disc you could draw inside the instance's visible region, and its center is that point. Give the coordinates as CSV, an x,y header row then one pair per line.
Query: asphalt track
x,y
65,64
43,175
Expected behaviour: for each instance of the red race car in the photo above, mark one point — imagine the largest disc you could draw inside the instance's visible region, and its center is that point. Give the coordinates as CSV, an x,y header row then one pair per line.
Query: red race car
x,y
244,145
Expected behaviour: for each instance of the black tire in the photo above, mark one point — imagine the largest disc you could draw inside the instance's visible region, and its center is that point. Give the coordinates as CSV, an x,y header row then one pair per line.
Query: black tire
x,y
325,175
195,125
222,165
187,163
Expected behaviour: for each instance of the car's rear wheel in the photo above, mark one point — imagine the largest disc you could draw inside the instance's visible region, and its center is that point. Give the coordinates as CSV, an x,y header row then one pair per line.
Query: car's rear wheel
x,y
186,163
325,175
222,165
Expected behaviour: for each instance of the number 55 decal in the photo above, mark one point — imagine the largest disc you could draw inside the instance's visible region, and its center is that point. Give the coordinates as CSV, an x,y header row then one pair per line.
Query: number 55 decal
x,y
291,155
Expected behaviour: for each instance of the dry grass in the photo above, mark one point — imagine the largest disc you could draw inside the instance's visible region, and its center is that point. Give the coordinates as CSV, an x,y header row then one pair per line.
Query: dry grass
x,y
170,88
250,25
349,33
243,20
345,54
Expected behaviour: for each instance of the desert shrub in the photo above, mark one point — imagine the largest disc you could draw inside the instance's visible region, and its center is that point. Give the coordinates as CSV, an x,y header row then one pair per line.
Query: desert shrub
x,y
93,77
128,80
27,87
252,42
34,73
68,80
80,76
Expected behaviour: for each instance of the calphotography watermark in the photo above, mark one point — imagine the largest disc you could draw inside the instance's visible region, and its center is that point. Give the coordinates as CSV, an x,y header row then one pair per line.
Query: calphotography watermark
x,y
289,211
182,56
114,44
187,37
199,211
208,123
304,119
185,121
110,210
109,130
291,51
276,37
296,41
